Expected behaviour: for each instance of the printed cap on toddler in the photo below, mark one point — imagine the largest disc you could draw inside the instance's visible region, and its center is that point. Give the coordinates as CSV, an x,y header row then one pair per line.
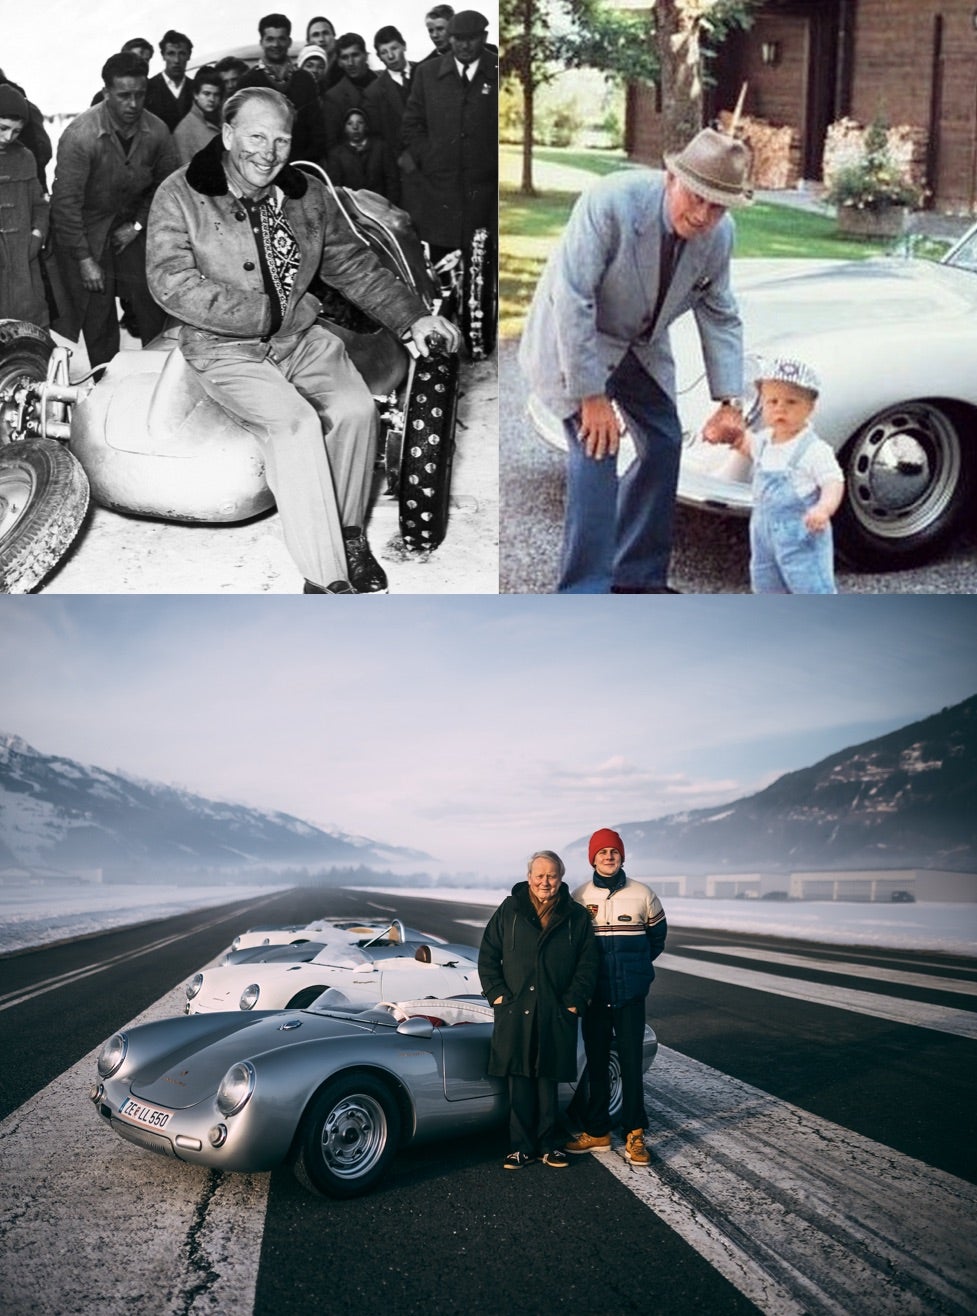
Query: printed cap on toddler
x,y
784,370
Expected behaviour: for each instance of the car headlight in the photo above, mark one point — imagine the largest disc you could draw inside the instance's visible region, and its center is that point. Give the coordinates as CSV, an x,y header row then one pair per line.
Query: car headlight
x,y
194,985
112,1054
236,1088
249,997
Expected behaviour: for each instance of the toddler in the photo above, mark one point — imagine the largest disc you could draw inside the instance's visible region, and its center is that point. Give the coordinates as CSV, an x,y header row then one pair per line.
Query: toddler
x,y
797,487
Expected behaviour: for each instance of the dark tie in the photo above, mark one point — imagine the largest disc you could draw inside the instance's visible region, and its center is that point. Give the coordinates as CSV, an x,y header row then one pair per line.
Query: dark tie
x,y
671,250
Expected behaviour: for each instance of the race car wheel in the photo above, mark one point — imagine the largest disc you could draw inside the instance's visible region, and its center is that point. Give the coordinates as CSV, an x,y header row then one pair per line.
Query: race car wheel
x,y
347,1137
303,999
24,353
907,479
427,451
479,296
43,500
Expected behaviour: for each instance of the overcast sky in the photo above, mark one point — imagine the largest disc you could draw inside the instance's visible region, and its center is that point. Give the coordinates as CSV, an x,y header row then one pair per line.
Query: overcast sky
x,y
55,49
477,729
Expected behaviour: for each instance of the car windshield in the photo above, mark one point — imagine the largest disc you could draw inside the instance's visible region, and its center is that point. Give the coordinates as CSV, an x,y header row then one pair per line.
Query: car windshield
x,y
336,1005
964,255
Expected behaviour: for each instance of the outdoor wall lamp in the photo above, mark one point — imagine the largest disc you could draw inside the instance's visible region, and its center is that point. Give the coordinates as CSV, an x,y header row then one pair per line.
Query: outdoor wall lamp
x,y
770,52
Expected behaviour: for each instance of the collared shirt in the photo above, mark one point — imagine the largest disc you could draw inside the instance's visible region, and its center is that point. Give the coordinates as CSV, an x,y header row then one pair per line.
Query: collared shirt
x,y
174,87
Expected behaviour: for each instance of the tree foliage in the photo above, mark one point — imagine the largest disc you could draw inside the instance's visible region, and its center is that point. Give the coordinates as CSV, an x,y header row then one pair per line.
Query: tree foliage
x,y
688,33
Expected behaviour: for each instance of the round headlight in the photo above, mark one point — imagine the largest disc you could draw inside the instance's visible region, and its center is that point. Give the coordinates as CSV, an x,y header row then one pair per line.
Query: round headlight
x,y
249,997
194,985
112,1054
236,1087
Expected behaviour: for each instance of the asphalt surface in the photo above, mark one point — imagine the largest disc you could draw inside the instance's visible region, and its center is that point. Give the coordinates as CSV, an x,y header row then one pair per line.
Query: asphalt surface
x,y
711,553
807,1157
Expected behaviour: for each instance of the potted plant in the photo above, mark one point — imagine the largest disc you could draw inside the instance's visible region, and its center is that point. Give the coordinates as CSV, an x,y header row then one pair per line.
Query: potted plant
x,y
873,193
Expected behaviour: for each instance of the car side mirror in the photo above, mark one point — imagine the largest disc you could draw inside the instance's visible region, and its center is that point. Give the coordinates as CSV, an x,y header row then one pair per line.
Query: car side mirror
x,y
416,1028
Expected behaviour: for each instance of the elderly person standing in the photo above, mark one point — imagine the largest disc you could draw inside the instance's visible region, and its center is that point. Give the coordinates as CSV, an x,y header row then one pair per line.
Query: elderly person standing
x,y
631,929
235,240
111,159
538,967
639,250
451,129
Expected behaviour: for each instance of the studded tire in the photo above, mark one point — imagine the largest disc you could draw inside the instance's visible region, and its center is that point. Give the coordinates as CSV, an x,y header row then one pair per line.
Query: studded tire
x,y
479,297
348,1136
43,501
427,451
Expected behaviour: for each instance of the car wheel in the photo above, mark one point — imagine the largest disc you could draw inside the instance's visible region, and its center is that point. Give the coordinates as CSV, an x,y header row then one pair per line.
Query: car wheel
x,y
616,1086
427,451
24,354
43,500
906,486
303,999
348,1136
479,296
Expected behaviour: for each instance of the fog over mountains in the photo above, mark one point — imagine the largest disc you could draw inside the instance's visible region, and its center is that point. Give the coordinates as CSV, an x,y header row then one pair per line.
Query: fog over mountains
x,y
904,800
59,814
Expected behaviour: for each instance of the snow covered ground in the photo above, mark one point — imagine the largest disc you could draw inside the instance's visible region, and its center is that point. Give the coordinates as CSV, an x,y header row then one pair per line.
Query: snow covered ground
x,y
36,915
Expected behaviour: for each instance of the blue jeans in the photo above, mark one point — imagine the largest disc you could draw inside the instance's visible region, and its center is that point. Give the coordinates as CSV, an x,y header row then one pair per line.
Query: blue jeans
x,y
619,531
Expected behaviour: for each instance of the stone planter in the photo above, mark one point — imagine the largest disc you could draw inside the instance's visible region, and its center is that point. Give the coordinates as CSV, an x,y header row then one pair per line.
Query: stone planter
x,y
886,222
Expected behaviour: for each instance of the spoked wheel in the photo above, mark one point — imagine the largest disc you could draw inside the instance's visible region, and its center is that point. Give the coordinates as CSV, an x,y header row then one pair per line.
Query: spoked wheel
x,y
907,478
348,1137
427,451
43,500
479,298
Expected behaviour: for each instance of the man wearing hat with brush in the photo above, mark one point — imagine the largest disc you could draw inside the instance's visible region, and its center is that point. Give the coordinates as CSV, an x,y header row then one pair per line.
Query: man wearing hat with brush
x,y
639,250
631,929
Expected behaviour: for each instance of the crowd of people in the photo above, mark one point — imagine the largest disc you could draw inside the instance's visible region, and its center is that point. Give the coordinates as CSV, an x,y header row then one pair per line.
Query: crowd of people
x,y
422,134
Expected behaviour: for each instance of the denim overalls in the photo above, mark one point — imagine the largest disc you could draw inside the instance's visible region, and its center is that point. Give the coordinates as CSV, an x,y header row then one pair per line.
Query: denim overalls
x,y
786,557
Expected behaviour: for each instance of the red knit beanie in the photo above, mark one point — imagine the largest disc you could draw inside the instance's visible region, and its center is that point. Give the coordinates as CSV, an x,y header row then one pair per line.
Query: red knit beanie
x,y
604,839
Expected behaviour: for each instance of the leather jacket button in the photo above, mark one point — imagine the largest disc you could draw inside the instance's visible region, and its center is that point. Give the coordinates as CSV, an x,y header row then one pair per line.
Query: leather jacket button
x,y
240,216
249,264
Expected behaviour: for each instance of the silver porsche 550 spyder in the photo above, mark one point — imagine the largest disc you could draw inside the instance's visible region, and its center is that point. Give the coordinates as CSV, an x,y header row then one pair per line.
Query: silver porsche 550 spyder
x,y
334,1090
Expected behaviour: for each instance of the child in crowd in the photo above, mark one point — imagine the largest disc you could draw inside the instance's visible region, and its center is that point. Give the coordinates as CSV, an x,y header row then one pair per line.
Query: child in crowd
x,y
23,217
797,487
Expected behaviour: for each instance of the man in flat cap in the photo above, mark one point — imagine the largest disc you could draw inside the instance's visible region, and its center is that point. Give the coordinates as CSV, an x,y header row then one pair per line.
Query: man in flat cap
x,y
451,129
639,250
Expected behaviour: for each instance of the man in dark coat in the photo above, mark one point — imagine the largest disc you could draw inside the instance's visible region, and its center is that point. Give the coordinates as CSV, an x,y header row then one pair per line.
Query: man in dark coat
x,y
350,91
276,71
451,128
538,967
385,101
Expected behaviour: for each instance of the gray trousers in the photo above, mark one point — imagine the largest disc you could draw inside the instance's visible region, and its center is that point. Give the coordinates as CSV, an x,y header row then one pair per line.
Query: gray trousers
x,y
311,411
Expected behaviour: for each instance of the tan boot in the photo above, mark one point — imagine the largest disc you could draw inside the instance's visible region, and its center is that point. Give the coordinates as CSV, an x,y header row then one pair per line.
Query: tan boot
x,y
635,1150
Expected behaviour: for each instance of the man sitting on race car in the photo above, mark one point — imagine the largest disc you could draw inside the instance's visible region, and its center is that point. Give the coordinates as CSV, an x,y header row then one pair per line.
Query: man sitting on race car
x,y
235,239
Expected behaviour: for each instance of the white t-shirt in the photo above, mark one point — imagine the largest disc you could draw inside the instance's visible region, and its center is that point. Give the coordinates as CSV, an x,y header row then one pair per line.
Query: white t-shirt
x,y
818,466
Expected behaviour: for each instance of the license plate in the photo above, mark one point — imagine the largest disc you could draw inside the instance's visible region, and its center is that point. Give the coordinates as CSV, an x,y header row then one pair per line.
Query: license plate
x,y
140,1114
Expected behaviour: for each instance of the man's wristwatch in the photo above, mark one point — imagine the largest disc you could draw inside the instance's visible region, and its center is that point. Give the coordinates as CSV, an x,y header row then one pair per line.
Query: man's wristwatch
x,y
737,403
137,226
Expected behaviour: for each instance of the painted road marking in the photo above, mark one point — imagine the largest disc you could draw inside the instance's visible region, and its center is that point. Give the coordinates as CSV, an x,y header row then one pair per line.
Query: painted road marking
x,y
960,986
800,1214
18,997
920,1014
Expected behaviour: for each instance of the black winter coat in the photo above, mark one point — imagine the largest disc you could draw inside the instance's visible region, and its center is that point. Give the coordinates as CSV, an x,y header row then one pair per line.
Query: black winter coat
x,y
539,974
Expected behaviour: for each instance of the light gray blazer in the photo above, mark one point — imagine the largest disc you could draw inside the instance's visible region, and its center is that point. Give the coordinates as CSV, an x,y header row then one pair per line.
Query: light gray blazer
x,y
597,295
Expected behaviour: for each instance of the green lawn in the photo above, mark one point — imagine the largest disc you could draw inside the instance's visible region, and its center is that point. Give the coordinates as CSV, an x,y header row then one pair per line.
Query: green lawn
x,y
530,225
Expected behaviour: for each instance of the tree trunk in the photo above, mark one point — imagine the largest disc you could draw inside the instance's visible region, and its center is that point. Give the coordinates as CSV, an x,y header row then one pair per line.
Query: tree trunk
x,y
528,119
681,82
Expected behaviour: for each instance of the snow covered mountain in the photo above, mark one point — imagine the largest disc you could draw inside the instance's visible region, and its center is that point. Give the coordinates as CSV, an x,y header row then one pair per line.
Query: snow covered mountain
x,y
59,814
903,800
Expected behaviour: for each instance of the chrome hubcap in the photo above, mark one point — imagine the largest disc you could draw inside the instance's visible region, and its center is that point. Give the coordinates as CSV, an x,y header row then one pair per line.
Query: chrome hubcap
x,y
353,1136
903,471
